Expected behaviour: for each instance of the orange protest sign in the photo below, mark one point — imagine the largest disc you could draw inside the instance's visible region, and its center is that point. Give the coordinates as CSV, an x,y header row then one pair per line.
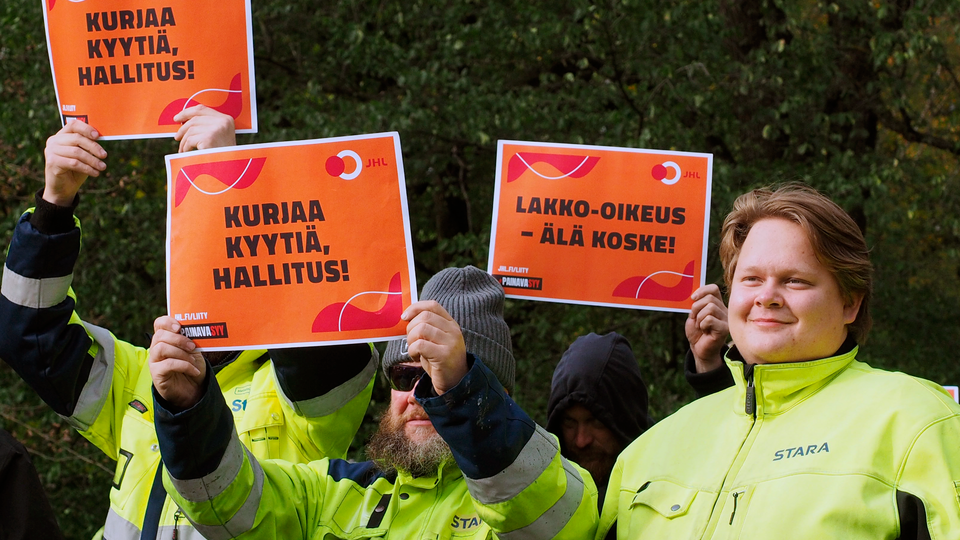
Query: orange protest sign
x,y
289,244
128,67
599,225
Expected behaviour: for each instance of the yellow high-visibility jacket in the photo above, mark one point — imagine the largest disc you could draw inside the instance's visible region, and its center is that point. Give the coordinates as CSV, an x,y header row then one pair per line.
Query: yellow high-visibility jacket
x,y
102,385
508,482
830,448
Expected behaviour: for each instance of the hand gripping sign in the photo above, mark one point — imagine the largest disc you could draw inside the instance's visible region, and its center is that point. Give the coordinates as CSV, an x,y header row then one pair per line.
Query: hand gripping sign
x,y
128,67
289,244
600,226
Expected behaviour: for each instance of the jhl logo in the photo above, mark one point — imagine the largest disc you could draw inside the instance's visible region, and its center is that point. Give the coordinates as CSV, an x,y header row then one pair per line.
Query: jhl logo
x,y
205,331
515,282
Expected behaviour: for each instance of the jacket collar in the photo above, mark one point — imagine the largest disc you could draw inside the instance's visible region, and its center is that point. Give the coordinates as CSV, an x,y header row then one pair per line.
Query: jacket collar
x,y
448,472
239,367
779,387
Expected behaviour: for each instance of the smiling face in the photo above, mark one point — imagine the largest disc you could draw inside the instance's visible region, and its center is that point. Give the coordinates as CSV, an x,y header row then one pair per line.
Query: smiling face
x,y
785,305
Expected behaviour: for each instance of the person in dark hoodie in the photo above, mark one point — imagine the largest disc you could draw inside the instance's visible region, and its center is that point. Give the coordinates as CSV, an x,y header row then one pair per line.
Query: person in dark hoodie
x,y
598,400
598,403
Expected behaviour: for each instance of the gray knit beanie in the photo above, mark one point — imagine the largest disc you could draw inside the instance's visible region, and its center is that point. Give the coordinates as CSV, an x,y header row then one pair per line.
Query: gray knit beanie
x,y
474,299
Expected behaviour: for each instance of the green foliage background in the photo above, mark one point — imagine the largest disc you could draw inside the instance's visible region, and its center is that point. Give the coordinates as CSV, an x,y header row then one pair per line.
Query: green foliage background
x,y
858,98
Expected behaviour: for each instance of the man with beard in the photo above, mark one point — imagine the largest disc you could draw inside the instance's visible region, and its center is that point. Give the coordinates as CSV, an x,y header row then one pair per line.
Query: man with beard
x,y
501,476
598,403
406,440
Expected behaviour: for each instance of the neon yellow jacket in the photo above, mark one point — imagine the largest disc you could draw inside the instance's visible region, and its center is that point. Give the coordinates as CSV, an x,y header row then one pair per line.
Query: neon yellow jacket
x,y
832,449
265,423
509,480
102,385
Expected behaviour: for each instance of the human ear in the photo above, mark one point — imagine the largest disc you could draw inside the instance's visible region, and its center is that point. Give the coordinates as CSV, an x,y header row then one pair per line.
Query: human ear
x,y
852,309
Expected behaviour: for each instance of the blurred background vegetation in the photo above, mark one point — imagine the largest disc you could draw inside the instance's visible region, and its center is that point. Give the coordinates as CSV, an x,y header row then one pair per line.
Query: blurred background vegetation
x,y
857,98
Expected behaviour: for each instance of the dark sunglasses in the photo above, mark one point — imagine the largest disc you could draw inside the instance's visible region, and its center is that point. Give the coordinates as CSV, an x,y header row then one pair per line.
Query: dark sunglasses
x,y
403,377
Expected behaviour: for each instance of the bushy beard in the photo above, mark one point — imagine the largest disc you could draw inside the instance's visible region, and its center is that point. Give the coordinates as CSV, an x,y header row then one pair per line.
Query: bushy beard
x,y
392,450
597,462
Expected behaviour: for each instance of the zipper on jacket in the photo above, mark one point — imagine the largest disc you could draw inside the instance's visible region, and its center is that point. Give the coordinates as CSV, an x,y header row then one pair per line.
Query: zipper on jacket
x,y
176,522
734,513
750,407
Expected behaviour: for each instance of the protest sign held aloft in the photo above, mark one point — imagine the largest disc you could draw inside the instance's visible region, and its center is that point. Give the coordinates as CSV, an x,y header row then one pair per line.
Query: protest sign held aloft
x,y
289,244
599,225
128,68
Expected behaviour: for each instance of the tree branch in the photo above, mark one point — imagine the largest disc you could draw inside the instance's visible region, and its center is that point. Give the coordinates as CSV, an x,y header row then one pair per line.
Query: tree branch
x,y
904,127
52,442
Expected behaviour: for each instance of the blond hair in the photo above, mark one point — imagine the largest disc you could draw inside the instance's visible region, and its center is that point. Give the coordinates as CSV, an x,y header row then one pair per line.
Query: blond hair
x,y
836,239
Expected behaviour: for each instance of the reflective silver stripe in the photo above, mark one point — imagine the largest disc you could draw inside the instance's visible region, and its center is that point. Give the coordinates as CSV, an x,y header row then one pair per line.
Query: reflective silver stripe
x,y
551,522
333,400
185,531
117,528
97,388
206,488
34,293
246,516
535,457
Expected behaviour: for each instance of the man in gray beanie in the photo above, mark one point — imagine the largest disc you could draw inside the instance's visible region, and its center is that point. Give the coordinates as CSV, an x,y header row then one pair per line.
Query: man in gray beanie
x,y
454,456
475,301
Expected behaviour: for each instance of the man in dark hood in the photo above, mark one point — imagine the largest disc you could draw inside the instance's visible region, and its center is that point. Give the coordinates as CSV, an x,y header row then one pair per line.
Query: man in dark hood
x,y
598,400
598,403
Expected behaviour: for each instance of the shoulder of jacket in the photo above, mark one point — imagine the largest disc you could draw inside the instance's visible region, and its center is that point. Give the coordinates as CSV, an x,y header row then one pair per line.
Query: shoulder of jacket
x,y
907,393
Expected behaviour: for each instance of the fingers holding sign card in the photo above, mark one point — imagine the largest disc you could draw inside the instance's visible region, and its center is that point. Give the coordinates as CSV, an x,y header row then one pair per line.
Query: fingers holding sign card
x,y
599,225
289,244
128,68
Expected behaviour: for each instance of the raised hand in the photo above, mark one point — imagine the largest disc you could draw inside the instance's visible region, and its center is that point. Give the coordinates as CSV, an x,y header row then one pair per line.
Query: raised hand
x,y
177,368
71,155
434,339
204,128
706,327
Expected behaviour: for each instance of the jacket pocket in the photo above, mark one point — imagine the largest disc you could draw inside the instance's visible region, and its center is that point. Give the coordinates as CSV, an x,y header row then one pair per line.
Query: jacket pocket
x,y
664,509
261,429
666,498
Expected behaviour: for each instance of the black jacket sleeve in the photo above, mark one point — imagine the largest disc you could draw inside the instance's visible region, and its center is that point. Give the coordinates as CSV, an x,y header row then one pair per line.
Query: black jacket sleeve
x,y
25,511
193,441
38,340
710,382
308,372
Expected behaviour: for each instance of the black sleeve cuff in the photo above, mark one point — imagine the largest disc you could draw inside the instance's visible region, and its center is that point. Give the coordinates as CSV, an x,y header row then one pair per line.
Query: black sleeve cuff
x,y
49,218
193,441
308,372
710,382
484,428
458,394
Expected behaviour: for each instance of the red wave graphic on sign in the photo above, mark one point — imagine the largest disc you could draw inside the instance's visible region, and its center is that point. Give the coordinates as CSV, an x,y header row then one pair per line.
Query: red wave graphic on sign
x,y
50,4
342,316
644,287
569,166
236,173
232,105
